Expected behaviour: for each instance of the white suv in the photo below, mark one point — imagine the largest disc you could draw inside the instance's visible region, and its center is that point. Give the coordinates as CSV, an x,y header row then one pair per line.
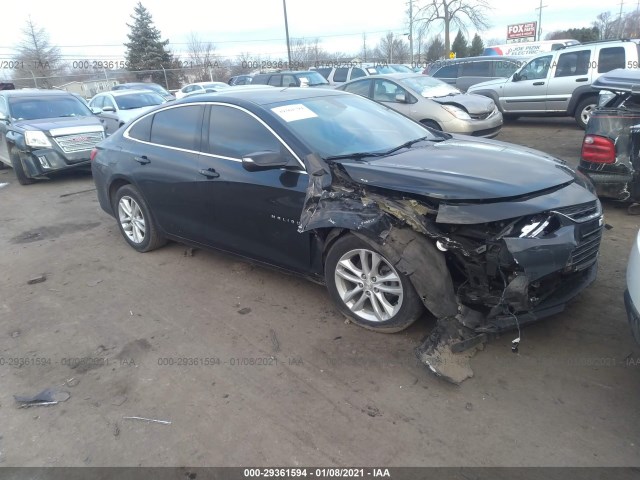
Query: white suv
x,y
558,83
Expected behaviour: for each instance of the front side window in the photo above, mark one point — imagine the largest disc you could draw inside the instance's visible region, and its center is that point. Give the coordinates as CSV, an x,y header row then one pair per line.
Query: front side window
x,y
98,102
234,133
357,72
536,69
178,127
449,71
275,81
108,102
138,100
288,81
386,91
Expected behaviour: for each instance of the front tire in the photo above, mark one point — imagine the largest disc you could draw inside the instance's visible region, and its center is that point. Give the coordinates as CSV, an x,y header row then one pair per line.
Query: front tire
x,y
368,289
135,220
583,111
17,168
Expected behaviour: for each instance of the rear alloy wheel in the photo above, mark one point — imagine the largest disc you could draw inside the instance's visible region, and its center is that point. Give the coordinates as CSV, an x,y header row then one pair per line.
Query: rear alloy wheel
x,y
17,168
134,219
368,288
584,110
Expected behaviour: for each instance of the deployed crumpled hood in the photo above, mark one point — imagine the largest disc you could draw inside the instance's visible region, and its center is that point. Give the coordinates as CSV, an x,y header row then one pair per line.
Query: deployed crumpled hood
x,y
58,122
474,104
463,169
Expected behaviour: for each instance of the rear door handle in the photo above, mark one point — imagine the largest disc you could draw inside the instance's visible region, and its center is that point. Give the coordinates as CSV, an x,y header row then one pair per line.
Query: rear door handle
x,y
143,160
209,173
582,79
538,83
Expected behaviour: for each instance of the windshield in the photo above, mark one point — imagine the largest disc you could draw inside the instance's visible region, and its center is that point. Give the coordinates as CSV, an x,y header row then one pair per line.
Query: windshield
x,y
29,108
138,100
346,124
430,87
314,78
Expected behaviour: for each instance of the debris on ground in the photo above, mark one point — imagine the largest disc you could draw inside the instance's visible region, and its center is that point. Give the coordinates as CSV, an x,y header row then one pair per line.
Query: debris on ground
x,y
119,400
38,279
47,397
634,209
93,283
150,420
15,333
188,252
116,430
274,341
244,311
72,382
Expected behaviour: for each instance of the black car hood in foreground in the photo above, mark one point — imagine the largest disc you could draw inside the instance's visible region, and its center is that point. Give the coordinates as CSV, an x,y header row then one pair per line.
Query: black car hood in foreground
x,y
58,122
461,169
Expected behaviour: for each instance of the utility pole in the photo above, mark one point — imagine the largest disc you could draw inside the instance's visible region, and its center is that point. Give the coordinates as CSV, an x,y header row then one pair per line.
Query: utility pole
x,y
620,26
286,28
411,28
540,19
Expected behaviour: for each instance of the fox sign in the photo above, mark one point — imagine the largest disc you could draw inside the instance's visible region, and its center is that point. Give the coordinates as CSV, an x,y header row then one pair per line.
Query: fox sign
x,y
522,31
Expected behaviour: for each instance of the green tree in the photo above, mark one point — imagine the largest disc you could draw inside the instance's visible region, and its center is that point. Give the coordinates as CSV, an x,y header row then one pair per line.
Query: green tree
x,y
460,45
477,46
146,51
580,34
435,50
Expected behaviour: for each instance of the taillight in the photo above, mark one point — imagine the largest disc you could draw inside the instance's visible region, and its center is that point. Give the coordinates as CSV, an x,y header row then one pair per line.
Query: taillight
x,y
598,149
93,154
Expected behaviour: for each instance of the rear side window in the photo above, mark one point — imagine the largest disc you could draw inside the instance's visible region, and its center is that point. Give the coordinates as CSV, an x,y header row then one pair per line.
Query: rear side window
x,y
340,75
573,63
324,71
178,127
475,69
450,71
359,88
141,130
357,72
236,134
610,59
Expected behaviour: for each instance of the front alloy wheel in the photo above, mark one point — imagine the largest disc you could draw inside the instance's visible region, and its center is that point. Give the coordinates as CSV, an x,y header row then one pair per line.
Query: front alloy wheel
x,y
368,289
368,285
135,220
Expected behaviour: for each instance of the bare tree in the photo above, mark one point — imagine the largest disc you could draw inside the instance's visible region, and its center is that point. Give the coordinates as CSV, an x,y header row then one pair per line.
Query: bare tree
x,y
305,53
37,56
456,12
202,59
392,49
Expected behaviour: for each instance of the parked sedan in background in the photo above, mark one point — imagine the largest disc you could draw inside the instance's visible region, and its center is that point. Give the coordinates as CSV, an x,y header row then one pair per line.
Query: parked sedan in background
x,y
240,80
200,87
431,102
632,294
44,132
392,216
121,106
290,79
154,87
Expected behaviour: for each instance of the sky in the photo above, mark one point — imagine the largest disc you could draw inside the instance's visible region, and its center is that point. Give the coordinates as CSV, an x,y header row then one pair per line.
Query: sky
x,y
86,31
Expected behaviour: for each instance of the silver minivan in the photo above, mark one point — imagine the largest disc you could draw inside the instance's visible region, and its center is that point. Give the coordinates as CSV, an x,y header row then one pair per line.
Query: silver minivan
x,y
558,83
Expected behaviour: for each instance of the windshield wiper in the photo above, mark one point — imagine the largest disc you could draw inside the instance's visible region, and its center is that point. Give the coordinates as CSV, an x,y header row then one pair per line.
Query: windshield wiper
x,y
356,155
408,144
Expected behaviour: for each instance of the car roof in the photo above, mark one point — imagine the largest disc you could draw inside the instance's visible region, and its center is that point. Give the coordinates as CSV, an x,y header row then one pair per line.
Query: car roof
x,y
619,80
128,91
33,92
262,96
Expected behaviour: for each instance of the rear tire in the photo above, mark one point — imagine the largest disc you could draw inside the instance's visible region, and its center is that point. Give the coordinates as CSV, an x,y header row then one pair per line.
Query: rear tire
x,y
135,221
583,111
368,289
17,168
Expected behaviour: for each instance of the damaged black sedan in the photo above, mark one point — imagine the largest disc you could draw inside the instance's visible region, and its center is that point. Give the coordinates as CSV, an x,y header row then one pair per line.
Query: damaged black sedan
x,y
393,217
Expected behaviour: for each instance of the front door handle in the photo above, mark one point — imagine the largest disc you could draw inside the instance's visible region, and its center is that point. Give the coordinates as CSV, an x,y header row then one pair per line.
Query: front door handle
x,y
143,160
582,79
209,173
538,83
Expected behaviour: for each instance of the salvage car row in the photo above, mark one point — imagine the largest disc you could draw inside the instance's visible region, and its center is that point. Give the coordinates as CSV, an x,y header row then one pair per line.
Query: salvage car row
x,y
394,217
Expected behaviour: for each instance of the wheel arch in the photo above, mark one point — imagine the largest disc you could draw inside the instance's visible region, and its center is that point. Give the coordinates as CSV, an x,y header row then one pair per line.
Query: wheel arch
x,y
578,95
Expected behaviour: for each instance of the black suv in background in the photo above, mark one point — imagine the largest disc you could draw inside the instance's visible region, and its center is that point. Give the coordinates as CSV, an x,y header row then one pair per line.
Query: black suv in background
x,y
611,147
45,131
291,79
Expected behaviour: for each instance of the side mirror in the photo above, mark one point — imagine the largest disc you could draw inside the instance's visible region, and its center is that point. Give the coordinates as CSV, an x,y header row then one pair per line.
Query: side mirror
x,y
4,117
264,161
516,77
108,108
96,110
401,98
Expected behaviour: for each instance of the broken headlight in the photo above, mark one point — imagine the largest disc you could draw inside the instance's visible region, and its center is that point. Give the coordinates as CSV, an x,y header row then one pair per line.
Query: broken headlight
x,y
537,226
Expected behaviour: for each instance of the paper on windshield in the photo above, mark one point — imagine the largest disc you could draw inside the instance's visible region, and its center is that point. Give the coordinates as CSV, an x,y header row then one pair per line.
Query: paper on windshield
x,y
291,113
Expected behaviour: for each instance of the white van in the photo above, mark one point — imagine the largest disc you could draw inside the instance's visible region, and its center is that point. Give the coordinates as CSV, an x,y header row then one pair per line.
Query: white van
x,y
529,48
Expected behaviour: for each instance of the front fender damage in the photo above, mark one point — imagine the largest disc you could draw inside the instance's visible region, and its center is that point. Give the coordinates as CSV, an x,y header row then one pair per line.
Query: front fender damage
x,y
475,279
